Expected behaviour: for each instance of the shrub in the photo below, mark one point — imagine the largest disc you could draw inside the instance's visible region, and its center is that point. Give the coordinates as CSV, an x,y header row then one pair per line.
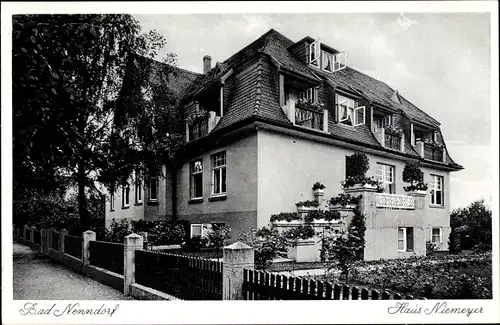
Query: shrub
x,y
300,232
413,174
430,248
318,186
357,165
285,216
268,244
117,231
454,242
307,204
166,233
217,236
344,200
473,223
327,215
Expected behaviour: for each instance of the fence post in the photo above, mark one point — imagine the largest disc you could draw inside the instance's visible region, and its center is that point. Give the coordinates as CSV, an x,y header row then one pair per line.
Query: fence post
x,y
25,232
43,240
49,239
87,237
62,235
236,257
32,234
18,234
131,243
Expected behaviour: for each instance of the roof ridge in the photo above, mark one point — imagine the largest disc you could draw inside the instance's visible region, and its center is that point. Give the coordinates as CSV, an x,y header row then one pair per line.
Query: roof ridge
x,y
421,110
258,86
167,64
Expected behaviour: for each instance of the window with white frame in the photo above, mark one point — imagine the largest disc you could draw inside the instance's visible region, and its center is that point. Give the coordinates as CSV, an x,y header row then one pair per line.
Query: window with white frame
x,y
310,95
436,190
200,229
405,239
125,196
384,121
196,179
153,189
437,237
340,61
348,111
385,175
327,61
314,53
219,173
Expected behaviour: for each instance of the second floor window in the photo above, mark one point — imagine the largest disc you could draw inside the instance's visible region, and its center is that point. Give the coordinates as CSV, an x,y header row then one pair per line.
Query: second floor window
x,y
310,94
125,196
436,190
153,189
348,111
197,179
385,175
219,173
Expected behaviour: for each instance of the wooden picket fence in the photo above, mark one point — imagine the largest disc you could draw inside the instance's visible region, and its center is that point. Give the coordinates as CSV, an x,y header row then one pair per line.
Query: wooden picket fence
x,y
187,278
260,285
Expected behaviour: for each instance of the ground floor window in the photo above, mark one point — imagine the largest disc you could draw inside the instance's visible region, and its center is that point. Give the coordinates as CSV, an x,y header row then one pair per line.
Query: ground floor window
x,y
200,229
405,239
437,236
125,196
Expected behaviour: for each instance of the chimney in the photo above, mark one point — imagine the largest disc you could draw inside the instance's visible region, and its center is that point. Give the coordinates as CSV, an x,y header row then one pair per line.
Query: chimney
x,y
207,64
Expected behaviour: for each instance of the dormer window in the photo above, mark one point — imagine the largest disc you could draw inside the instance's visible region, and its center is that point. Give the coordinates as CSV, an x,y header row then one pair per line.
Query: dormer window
x,y
327,61
314,53
382,122
310,95
349,112
339,61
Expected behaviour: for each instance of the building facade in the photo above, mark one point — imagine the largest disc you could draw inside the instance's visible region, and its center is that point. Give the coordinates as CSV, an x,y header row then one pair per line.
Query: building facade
x,y
278,116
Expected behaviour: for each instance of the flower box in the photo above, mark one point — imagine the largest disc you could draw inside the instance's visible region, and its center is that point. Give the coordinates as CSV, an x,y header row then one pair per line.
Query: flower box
x,y
304,209
416,193
361,187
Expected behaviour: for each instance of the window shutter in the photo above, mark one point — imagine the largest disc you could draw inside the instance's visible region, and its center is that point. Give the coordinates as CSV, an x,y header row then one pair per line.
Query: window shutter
x,y
359,116
409,239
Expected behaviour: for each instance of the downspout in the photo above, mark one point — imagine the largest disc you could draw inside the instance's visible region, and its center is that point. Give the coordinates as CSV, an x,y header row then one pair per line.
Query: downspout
x,y
174,193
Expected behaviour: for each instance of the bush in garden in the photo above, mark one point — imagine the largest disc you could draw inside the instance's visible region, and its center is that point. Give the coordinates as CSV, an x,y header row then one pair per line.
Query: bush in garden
x,y
217,235
268,244
166,233
454,242
300,232
473,223
430,248
117,231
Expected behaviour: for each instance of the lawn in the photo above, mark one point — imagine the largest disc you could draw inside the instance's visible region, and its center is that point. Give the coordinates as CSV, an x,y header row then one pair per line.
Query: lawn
x,y
436,277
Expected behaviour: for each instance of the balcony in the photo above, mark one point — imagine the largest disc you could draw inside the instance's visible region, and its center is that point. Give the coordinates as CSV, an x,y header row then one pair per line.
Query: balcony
x,y
394,201
304,114
202,126
390,138
431,151
309,118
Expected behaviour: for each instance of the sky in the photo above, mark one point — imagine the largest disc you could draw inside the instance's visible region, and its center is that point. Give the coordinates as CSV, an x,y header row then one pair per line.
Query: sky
x,y
438,61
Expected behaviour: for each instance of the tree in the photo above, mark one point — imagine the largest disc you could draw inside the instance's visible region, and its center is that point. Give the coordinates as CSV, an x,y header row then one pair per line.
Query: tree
x,y
473,224
413,174
68,74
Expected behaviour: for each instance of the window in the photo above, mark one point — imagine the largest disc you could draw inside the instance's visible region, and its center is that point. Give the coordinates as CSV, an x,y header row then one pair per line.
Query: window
x,y
437,237
340,61
138,193
348,111
310,94
382,122
385,174
314,49
327,61
200,229
219,173
125,196
437,190
112,202
405,239
153,189
197,179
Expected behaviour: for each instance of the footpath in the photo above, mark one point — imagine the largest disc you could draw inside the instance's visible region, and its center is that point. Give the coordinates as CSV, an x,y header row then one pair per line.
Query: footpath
x,y
37,277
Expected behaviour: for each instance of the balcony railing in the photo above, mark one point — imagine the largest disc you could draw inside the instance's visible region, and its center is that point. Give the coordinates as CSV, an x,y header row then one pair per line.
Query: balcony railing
x,y
433,153
394,201
309,118
198,129
392,141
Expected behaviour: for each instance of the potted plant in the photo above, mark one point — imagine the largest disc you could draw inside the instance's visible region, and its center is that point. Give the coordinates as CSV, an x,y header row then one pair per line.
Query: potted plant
x,y
318,189
413,174
357,166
